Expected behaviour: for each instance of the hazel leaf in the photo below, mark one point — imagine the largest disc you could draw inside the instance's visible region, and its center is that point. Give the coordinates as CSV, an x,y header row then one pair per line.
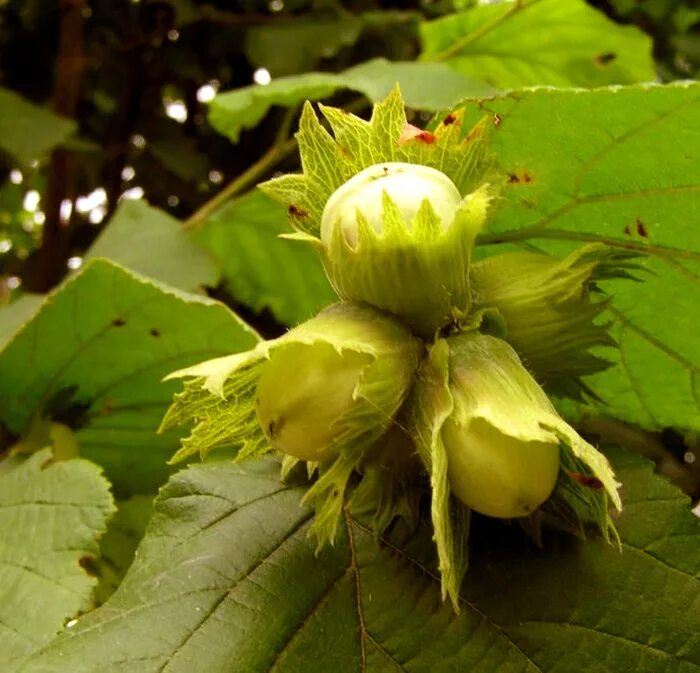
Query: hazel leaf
x,y
263,604
599,187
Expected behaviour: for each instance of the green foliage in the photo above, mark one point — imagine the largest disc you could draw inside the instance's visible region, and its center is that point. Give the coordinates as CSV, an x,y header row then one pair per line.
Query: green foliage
x,y
262,602
218,574
51,516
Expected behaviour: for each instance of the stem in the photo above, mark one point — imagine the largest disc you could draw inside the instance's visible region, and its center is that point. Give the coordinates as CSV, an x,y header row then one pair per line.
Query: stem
x,y
263,165
280,150
285,130
70,63
478,33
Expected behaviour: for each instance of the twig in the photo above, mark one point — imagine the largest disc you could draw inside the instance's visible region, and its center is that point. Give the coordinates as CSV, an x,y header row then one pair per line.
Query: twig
x,y
276,154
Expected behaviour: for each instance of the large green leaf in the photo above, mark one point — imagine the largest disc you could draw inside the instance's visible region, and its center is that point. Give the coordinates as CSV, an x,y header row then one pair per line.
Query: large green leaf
x,y
226,581
28,131
93,358
585,166
531,42
425,86
51,517
153,243
260,269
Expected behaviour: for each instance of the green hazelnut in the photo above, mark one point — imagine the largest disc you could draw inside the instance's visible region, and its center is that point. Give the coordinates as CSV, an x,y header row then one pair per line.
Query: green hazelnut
x,y
302,393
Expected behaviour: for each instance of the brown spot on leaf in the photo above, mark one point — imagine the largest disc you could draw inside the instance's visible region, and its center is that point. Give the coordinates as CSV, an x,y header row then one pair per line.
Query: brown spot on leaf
x,y
89,565
627,231
519,178
118,322
449,120
411,132
641,228
497,119
295,211
605,58
586,480
154,332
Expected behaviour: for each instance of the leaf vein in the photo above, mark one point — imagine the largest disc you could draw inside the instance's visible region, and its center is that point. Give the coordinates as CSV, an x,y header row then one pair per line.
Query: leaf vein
x,y
462,599
309,615
226,594
644,646
358,591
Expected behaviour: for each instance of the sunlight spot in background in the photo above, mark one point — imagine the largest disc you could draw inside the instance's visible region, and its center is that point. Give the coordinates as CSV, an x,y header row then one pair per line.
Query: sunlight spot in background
x,y
13,282
138,141
39,217
74,263
217,177
84,204
96,215
31,200
207,92
65,210
177,110
134,193
262,76
276,5
128,173
173,34
173,200
16,176
5,246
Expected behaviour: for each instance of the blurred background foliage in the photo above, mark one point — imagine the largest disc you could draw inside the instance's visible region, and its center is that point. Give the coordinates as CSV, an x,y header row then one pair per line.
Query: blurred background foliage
x,y
129,84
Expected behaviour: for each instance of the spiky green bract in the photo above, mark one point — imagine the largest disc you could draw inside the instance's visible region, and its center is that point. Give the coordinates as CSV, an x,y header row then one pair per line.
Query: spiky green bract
x,y
551,309
431,404
471,379
392,482
328,161
221,399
